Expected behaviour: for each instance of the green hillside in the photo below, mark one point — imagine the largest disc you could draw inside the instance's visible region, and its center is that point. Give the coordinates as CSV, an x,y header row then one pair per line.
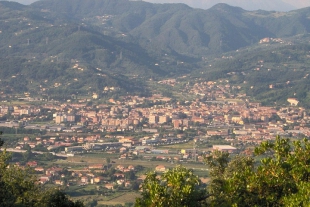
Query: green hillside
x,y
270,73
180,28
82,46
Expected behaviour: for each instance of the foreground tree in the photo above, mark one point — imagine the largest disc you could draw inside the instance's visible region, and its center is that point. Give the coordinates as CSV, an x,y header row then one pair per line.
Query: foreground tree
x,y
18,187
278,175
280,178
178,187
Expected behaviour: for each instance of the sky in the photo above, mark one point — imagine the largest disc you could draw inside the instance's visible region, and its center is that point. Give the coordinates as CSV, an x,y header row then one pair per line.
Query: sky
x,y
276,5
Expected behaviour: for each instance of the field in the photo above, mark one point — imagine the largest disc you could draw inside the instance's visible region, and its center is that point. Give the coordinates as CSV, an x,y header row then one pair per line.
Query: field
x,y
129,197
85,160
188,145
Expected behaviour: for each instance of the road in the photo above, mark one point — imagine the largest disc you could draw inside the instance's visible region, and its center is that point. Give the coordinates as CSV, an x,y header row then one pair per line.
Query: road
x,y
36,152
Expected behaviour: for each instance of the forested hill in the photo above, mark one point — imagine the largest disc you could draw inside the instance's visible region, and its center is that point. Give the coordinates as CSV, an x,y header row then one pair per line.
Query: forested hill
x,y
85,45
158,28
270,72
180,28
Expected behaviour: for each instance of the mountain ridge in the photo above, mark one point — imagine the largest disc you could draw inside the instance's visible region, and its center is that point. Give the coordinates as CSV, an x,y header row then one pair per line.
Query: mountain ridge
x,y
283,5
176,22
128,42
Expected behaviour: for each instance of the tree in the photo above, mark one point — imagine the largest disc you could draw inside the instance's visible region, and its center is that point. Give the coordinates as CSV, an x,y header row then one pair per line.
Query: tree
x,y
56,198
223,189
92,203
19,187
135,186
1,142
280,178
130,175
178,187
278,175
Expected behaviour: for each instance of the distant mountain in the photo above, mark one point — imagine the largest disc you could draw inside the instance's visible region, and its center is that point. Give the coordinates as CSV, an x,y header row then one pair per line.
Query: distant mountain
x,y
125,41
25,2
179,28
274,5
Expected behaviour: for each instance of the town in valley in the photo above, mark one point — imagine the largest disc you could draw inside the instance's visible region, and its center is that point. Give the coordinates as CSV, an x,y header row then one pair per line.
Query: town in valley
x,y
100,148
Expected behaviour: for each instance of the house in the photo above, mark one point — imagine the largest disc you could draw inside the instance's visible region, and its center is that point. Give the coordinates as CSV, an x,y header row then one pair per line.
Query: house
x,y
96,166
225,148
84,179
127,184
32,164
122,149
59,182
120,167
160,168
131,167
109,186
119,175
44,179
39,169
120,182
264,40
98,179
53,171
293,101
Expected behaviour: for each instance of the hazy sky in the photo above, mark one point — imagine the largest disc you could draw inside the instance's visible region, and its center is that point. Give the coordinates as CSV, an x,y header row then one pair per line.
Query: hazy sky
x,y
277,5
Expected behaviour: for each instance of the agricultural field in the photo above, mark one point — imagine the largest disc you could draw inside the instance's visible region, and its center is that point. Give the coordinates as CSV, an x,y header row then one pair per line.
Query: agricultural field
x,y
122,199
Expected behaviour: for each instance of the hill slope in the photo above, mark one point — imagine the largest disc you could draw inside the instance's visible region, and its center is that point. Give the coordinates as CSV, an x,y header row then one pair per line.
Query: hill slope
x,y
270,73
276,5
118,42
179,28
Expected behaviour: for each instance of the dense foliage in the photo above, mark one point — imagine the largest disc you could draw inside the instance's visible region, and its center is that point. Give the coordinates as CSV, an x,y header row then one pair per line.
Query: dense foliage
x,y
178,187
19,187
279,177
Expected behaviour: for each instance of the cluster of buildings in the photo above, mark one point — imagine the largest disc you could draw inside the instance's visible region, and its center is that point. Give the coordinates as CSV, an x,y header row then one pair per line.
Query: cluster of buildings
x,y
216,110
95,174
153,122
